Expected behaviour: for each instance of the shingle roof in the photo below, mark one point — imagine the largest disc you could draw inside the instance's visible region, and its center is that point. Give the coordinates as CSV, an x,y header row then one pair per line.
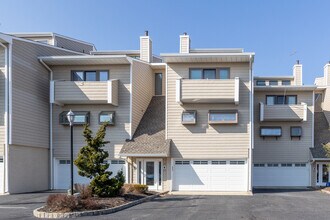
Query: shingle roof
x,y
321,135
149,137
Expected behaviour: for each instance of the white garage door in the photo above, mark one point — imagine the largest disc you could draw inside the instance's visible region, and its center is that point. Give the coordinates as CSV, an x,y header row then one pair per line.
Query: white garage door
x,y
62,173
277,175
210,175
1,175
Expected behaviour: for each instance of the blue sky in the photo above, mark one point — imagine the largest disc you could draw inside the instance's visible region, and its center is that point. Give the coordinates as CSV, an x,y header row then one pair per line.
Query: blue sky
x,y
279,32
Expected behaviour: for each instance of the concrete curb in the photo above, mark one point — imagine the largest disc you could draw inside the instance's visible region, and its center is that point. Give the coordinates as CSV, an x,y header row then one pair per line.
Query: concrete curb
x,y
325,191
40,214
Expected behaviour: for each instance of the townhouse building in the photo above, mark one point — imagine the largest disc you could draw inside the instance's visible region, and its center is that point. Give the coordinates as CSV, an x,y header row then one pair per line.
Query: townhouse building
x,y
196,120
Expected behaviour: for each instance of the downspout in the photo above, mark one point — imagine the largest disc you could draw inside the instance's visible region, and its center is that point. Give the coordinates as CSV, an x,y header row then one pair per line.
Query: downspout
x,y
50,130
5,171
251,123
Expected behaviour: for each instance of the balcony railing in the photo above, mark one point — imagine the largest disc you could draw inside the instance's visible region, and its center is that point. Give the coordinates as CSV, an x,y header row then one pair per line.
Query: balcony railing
x,y
207,91
283,112
76,92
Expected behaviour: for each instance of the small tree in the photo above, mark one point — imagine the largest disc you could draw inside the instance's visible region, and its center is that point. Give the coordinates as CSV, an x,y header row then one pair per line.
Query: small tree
x,y
326,147
90,162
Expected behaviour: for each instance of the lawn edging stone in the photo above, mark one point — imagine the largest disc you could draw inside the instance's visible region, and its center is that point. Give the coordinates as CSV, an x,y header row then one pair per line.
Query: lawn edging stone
x,y
39,214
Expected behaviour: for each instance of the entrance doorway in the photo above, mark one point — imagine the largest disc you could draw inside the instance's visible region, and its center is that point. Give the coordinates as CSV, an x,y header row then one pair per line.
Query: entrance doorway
x,y
322,174
150,173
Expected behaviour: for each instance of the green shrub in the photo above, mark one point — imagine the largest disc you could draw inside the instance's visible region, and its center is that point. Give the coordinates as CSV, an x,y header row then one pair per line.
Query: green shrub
x,y
91,164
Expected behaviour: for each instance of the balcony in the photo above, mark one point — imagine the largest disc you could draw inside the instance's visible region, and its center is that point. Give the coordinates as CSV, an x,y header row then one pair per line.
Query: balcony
x,y
207,91
283,112
74,92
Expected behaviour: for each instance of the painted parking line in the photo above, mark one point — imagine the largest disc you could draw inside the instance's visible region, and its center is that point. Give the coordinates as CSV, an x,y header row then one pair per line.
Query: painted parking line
x,y
12,207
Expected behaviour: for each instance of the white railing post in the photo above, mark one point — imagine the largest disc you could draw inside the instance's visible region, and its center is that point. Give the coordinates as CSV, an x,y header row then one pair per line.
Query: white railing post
x,y
236,95
52,92
109,91
305,111
262,109
178,91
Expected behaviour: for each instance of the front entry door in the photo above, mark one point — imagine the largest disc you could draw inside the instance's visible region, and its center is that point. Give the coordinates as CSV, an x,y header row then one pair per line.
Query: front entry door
x,y
322,174
150,173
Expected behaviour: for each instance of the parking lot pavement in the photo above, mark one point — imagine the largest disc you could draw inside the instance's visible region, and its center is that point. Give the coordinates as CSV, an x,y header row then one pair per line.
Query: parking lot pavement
x,y
264,204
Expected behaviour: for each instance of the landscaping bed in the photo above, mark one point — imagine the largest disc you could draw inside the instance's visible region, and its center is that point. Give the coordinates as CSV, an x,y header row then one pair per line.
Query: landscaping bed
x,y
61,203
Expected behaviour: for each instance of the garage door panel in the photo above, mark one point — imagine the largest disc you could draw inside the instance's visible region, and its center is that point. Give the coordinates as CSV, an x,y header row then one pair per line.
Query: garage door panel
x,y
62,173
281,176
213,176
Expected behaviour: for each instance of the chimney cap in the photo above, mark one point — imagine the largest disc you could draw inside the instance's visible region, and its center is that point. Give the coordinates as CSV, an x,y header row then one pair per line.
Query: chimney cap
x,y
185,33
298,61
146,33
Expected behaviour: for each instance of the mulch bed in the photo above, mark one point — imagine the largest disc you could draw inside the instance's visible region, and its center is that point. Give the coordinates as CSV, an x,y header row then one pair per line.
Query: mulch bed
x,y
96,203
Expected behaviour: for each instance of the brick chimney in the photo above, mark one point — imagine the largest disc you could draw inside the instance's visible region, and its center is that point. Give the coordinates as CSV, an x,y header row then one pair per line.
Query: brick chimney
x,y
146,47
297,74
184,43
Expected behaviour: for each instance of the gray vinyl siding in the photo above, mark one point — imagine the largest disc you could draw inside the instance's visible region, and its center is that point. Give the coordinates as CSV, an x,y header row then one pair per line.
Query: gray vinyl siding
x,y
2,57
30,94
143,88
116,134
72,45
203,140
283,149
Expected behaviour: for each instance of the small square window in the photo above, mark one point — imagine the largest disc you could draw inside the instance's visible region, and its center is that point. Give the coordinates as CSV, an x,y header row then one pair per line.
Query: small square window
x,y
259,165
273,82
196,74
80,118
189,117
78,76
224,73
90,75
223,117
209,74
296,131
291,99
107,117
286,82
261,83
272,164
104,75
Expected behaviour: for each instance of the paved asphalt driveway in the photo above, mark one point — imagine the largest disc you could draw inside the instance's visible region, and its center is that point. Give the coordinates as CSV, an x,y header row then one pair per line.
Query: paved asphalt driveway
x,y
262,205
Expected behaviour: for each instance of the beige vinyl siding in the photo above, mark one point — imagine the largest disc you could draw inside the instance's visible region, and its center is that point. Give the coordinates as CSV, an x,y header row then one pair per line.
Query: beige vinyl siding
x,y
2,100
2,111
68,92
73,45
207,90
29,169
184,44
283,149
116,134
203,140
143,89
145,49
284,112
41,38
326,74
297,73
30,94
326,103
